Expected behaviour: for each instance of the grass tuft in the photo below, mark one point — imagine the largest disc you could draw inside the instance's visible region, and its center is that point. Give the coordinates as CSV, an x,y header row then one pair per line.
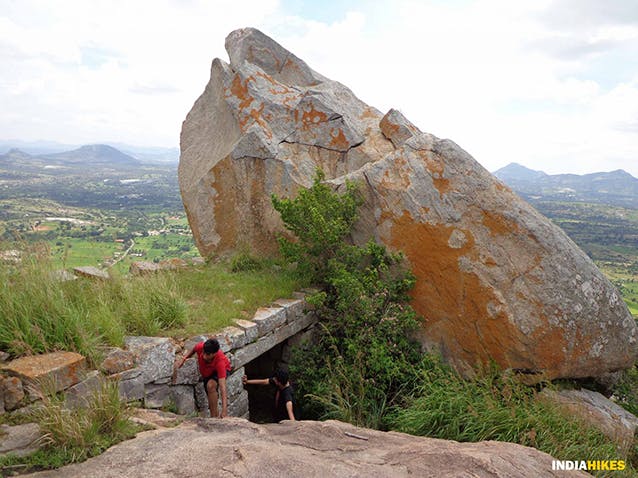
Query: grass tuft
x,y
74,435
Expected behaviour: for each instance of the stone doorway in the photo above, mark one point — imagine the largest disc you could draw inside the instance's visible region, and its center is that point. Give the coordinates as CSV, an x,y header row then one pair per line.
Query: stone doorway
x,y
261,399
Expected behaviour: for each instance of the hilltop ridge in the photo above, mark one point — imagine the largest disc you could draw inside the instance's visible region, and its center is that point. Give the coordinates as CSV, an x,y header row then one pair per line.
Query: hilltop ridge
x,y
617,188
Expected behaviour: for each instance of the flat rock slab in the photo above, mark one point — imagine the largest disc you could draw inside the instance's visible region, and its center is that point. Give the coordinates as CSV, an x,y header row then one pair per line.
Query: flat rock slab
x,y
597,411
117,360
91,272
234,447
19,440
156,418
57,370
143,267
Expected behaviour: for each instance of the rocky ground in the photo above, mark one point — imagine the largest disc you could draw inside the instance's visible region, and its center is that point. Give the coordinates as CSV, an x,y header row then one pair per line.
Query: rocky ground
x,y
235,447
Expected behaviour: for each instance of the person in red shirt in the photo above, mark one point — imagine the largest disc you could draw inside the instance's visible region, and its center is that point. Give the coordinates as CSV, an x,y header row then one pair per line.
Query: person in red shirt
x,y
213,367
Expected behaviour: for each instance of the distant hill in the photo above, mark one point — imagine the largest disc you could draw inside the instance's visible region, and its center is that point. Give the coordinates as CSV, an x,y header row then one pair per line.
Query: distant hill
x,y
150,154
94,154
617,188
95,157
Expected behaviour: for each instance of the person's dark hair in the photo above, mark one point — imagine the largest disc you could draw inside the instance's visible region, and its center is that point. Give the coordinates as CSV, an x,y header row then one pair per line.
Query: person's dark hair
x,y
211,346
281,376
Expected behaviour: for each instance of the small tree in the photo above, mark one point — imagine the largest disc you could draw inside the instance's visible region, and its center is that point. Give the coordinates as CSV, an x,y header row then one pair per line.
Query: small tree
x,y
364,357
320,220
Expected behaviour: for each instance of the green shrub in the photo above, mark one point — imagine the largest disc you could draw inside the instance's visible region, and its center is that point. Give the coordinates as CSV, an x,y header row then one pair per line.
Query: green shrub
x,y
364,356
319,220
243,262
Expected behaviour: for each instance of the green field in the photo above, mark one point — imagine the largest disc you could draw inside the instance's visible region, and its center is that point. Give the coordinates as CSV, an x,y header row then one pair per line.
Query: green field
x,y
93,237
626,282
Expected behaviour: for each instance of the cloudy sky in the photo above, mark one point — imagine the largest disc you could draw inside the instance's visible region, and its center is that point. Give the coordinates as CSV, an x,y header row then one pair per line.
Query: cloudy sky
x,y
551,84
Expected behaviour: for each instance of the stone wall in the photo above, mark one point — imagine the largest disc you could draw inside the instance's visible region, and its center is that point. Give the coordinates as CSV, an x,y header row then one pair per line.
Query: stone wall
x,y
145,368
152,379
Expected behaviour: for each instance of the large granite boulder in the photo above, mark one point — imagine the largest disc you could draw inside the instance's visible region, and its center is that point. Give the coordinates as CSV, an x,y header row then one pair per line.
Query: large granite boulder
x,y
496,280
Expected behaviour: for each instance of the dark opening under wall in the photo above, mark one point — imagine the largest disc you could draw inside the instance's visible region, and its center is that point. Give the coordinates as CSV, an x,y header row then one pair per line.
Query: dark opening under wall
x,y
261,399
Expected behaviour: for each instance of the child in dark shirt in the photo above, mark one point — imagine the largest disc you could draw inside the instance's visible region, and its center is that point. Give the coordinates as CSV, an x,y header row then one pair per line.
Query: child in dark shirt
x,y
284,398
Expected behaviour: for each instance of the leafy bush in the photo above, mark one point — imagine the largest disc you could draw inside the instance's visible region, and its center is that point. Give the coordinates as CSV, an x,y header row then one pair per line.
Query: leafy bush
x,y
243,262
320,220
364,356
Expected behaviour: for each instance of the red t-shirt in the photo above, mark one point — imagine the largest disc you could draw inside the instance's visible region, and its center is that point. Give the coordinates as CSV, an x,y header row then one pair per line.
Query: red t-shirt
x,y
219,364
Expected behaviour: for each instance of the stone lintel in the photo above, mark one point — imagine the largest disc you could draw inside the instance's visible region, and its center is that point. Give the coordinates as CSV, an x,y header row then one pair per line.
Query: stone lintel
x,y
250,329
269,318
294,308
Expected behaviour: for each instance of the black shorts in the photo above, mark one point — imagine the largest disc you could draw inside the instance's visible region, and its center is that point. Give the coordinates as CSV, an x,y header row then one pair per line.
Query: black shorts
x,y
215,378
206,380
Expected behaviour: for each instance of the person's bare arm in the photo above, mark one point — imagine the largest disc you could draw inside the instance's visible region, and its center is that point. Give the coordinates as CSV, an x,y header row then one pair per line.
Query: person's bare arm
x,y
291,415
186,357
254,381
222,393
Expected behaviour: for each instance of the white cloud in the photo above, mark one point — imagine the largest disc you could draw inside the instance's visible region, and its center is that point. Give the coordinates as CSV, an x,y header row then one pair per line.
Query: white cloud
x,y
508,81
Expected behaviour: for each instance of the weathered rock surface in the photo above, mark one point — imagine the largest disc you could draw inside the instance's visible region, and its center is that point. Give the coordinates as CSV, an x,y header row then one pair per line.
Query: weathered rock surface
x,y
143,268
153,355
597,411
236,448
80,394
11,391
56,371
117,360
19,440
91,272
496,280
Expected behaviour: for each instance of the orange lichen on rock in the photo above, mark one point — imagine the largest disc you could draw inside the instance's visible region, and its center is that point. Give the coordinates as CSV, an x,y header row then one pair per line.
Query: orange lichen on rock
x,y
312,116
369,113
240,90
499,224
455,303
388,128
550,343
338,140
397,178
225,212
436,168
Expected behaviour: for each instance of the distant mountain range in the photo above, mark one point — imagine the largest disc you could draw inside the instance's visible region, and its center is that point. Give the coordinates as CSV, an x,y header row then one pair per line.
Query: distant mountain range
x,y
46,148
91,156
618,188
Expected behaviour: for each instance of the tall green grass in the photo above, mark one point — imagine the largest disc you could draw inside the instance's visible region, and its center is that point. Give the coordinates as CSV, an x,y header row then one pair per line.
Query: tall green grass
x,y
497,407
39,313
73,435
